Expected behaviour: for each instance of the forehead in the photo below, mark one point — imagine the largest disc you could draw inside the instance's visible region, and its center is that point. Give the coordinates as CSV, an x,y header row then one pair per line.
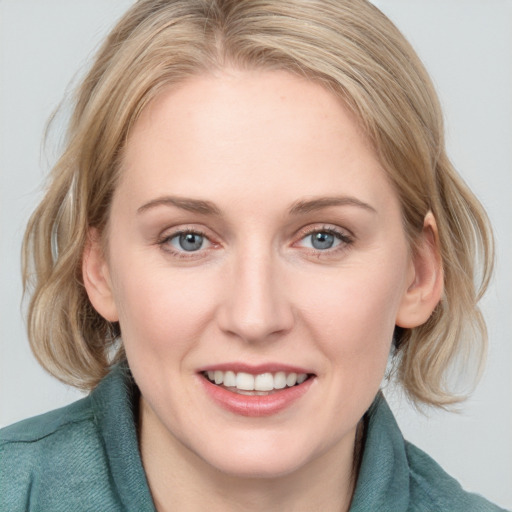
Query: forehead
x,y
249,133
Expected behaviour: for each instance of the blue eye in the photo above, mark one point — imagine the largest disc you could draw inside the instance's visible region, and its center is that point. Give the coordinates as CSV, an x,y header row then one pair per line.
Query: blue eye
x,y
322,240
188,242
325,239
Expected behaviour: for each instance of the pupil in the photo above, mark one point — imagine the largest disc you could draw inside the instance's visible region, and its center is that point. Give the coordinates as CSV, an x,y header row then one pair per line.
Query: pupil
x,y
191,241
322,240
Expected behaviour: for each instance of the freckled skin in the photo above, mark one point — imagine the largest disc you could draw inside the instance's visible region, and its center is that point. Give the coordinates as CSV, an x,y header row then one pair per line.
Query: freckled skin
x,y
254,143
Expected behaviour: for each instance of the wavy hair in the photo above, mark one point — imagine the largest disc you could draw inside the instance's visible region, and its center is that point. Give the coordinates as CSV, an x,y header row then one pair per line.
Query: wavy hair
x,y
349,47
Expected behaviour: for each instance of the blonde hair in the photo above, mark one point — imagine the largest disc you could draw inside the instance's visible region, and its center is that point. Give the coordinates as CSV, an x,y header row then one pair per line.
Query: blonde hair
x,y
351,48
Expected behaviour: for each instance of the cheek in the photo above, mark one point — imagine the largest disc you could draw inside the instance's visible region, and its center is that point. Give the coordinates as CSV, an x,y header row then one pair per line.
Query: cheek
x,y
160,309
353,315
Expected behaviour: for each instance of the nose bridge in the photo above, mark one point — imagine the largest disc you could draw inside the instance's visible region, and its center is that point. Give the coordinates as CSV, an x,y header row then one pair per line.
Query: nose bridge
x,y
256,306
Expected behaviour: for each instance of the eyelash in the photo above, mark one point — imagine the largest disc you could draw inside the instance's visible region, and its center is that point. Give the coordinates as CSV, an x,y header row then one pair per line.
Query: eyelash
x,y
164,243
346,240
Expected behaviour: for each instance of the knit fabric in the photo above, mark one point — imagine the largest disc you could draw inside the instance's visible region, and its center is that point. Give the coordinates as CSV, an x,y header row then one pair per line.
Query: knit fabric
x,y
85,457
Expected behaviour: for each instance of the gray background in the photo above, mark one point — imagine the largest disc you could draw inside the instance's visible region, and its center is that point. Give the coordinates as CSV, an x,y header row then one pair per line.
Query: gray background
x,y
467,47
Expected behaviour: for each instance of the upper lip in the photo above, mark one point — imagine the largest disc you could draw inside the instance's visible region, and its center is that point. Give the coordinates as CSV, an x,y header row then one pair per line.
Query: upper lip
x,y
255,369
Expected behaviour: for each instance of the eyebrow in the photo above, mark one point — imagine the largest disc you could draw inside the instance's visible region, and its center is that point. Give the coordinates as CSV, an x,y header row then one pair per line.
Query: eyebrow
x,y
185,203
303,207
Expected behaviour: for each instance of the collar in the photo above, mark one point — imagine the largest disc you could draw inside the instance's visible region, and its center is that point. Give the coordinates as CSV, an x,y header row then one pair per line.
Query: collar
x,y
383,480
115,406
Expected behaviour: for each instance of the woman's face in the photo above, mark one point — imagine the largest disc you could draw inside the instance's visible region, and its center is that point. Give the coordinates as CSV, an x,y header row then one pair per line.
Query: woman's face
x,y
254,236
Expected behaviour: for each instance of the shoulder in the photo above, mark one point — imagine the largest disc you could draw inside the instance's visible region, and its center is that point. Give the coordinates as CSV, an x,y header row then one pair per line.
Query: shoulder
x,y
52,437
396,476
431,488
37,442
48,462
38,428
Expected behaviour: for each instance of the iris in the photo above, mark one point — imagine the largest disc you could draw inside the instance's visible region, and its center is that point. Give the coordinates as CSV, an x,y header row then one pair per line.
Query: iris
x,y
190,241
322,240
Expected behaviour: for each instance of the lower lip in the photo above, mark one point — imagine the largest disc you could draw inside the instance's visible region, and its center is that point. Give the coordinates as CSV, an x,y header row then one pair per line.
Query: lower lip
x,y
256,405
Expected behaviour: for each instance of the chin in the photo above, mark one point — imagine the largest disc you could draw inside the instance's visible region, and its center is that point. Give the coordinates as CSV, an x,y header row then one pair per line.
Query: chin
x,y
256,458
258,467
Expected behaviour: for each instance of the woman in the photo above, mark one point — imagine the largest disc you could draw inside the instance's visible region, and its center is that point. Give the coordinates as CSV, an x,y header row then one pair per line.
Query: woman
x,y
253,210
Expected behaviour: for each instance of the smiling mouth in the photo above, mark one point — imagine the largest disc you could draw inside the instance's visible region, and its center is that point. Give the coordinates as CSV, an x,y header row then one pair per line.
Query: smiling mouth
x,y
262,384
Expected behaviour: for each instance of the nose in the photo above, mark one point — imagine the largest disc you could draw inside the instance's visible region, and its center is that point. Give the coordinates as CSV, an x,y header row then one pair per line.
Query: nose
x,y
255,307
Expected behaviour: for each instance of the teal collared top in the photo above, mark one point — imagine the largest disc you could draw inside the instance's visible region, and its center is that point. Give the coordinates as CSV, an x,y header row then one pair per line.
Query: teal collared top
x,y
85,457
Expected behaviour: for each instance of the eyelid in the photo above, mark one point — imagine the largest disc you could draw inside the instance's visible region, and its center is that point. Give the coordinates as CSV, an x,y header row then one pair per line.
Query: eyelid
x,y
180,234
164,242
343,233
345,237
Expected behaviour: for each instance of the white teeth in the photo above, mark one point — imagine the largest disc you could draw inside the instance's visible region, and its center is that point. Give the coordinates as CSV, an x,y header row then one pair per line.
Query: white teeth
x,y
262,382
245,381
291,379
280,380
301,378
229,379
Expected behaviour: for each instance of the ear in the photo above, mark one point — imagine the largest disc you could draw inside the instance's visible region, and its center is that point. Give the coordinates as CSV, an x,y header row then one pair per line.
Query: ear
x,y
96,277
425,280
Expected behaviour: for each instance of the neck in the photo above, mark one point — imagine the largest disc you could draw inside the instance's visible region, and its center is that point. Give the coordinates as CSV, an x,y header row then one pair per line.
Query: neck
x,y
179,480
